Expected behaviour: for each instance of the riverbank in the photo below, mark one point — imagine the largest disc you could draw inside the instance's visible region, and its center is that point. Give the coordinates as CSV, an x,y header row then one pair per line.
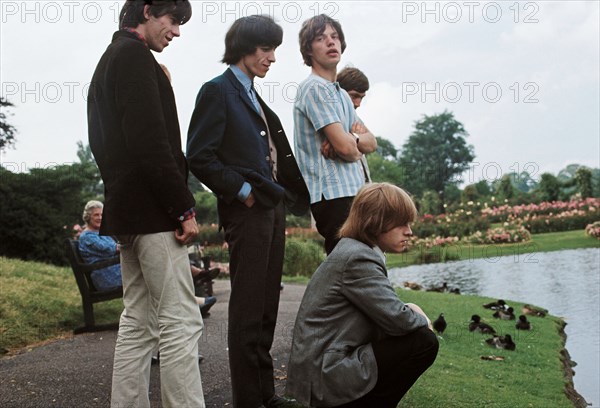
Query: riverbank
x,y
75,371
548,242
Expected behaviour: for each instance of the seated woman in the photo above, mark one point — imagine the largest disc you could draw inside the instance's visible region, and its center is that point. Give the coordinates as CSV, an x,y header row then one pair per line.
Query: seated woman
x,y
355,343
94,247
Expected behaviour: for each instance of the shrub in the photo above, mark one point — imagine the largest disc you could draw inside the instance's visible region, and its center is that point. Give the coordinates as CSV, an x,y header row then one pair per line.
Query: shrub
x,y
593,230
216,253
302,257
501,235
209,235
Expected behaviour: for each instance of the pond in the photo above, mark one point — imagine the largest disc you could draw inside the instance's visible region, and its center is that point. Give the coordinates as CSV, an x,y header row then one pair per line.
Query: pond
x,y
567,283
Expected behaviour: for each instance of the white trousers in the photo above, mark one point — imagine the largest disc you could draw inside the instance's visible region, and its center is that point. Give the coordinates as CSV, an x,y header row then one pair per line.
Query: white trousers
x,y
158,295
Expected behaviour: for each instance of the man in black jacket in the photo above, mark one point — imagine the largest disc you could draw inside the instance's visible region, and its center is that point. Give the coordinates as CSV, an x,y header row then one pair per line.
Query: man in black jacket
x,y
135,138
237,147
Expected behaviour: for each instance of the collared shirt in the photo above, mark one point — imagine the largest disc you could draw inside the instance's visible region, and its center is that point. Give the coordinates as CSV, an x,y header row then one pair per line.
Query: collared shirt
x,y
247,84
246,189
320,103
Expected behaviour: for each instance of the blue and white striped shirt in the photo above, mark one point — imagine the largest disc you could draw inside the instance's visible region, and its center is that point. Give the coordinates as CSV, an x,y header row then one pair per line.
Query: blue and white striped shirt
x,y
320,103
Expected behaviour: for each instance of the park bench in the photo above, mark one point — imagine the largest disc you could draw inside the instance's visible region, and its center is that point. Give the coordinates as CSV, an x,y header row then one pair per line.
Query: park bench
x,y
89,294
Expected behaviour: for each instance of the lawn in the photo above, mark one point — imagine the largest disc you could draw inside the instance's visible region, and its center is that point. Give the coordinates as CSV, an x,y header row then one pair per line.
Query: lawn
x,y
552,241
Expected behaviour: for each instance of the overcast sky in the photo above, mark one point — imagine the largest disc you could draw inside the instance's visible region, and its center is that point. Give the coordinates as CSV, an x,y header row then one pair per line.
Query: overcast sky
x,y
522,77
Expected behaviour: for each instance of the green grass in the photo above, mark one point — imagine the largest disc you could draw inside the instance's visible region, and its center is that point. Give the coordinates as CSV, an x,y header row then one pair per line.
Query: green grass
x,y
39,302
552,241
530,376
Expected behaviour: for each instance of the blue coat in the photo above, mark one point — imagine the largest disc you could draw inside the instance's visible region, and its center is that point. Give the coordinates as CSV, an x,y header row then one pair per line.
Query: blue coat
x,y
349,303
228,144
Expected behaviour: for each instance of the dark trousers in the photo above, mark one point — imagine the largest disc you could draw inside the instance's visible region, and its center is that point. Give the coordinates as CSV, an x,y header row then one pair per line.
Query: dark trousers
x,y
329,216
400,362
256,239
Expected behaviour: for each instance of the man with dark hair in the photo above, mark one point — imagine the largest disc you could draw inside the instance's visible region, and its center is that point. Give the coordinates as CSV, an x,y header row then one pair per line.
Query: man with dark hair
x,y
329,139
135,138
237,148
356,83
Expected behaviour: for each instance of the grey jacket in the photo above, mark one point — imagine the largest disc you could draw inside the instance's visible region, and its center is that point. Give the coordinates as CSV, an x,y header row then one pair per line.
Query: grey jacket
x,y
348,304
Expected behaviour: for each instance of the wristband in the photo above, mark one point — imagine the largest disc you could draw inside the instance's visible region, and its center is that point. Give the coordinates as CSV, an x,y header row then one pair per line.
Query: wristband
x,y
356,136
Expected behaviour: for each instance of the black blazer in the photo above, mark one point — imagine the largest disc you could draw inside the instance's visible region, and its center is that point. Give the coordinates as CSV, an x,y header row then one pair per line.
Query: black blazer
x,y
135,138
228,144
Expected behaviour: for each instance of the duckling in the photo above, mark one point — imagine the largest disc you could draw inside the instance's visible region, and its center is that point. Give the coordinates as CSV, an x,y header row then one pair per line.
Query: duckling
x,y
413,286
440,324
477,325
534,311
507,314
500,304
443,288
523,324
502,342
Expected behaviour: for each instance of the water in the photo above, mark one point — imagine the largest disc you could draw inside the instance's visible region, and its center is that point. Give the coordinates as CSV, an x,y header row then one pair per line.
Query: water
x,y
567,283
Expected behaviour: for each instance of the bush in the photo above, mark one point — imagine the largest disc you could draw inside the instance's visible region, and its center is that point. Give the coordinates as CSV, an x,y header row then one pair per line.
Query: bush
x,y
302,257
37,210
501,235
209,235
593,230
216,253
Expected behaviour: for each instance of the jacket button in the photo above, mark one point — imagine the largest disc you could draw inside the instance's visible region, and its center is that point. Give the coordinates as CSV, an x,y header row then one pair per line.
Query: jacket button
x,y
263,133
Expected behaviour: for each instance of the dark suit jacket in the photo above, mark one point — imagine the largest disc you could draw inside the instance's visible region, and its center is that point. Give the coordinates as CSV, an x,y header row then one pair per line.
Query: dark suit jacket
x,y
135,138
349,303
227,145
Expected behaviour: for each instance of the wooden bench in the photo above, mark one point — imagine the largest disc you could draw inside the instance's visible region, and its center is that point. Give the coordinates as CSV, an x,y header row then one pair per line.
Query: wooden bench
x,y
89,294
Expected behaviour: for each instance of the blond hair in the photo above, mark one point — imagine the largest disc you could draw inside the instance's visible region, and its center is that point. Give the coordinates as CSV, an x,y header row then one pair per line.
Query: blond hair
x,y
376,209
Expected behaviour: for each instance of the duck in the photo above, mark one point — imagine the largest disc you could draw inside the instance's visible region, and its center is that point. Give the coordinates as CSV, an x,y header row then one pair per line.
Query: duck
x,y
523,324
443,288
413,285
455,291
497,305
534,311
440,324
507,314
477,325
502,342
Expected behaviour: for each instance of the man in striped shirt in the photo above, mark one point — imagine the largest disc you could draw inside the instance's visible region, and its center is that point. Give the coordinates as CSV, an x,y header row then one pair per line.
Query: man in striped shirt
x,y
328,137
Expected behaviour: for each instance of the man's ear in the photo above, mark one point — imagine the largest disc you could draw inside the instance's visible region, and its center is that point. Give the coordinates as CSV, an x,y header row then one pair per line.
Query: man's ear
x,y
147,12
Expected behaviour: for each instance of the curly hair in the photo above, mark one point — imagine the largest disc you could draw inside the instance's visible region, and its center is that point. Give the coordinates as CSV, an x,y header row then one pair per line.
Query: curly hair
x,y
89,208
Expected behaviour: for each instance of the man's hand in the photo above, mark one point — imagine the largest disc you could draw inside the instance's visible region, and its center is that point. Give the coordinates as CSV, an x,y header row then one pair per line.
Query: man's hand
x,y
189,229
421,312
328,151
250,200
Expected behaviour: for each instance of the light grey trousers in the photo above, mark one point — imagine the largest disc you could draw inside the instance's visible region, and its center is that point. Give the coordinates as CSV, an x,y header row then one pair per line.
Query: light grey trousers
x,y
158,295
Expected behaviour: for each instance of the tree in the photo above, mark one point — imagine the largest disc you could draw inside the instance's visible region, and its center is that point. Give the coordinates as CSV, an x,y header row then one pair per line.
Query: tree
x,y
549,187
94,189
386,149
7,131
583,178
435,155
505,189
383,169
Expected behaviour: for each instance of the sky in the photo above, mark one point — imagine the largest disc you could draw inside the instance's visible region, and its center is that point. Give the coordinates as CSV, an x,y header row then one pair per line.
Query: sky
x,y
522,77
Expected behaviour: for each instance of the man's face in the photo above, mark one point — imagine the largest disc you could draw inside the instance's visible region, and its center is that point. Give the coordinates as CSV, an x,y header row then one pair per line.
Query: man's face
x,y
159,31
326,49
356,97
257,64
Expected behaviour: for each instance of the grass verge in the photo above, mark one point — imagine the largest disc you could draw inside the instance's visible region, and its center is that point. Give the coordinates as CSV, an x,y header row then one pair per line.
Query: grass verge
x,y
531,376
40,301
552,241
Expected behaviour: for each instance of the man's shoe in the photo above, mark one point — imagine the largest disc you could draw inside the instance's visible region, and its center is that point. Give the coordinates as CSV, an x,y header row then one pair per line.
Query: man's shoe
x,y
208,303
281,402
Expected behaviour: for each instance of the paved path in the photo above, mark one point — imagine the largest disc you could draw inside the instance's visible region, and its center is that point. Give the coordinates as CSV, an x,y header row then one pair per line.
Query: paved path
x,y
76,371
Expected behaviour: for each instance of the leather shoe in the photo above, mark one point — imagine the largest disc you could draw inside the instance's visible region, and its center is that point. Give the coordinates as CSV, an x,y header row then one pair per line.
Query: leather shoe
x,y
280,402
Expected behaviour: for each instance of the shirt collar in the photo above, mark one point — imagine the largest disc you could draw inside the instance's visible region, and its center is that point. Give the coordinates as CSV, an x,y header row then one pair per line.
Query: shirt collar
x,y
242,77
136,34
